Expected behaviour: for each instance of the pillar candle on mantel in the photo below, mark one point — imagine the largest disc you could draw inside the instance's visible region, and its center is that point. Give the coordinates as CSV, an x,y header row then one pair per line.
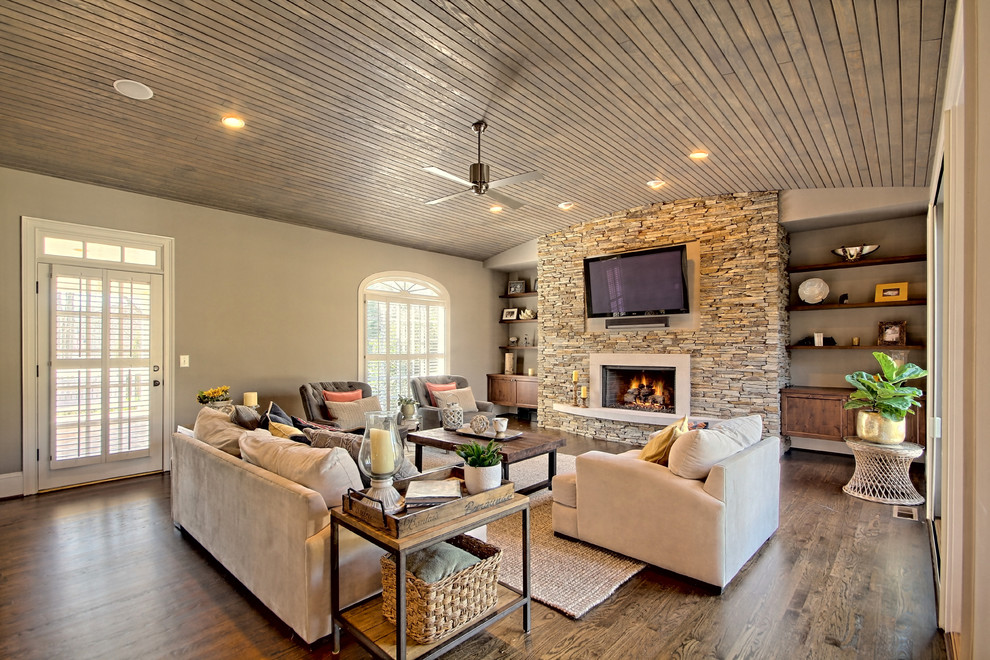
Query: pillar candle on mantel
x,y
574,376
250,398
382,461
584,391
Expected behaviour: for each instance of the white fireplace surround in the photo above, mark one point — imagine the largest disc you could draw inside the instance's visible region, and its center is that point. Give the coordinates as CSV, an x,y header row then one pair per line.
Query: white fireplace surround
x,y
682,383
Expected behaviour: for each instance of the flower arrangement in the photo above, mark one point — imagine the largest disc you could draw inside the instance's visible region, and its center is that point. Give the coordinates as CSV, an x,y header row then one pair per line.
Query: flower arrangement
x,y
221,393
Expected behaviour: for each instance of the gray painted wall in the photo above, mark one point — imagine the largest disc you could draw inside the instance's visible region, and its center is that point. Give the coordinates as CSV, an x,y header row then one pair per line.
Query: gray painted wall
x,y
259,305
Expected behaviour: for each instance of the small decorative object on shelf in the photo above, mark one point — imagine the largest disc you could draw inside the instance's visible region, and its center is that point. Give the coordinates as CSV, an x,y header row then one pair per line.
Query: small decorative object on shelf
x,y
482,466
510,313
819,339
892,333
887,398
813,291
517,286
452,417
380,457
513,341
510,364
853,253
844,298
855,341
893,292
525,340
527,314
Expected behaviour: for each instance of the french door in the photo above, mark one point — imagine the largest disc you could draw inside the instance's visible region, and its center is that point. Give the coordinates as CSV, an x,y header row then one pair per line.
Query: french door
x,y
100,345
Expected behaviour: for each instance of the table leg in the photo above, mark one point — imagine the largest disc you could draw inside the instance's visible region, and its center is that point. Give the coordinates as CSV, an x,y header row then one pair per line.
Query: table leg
x,y
400,605
551,468
335,583
419,457
527,613
505,470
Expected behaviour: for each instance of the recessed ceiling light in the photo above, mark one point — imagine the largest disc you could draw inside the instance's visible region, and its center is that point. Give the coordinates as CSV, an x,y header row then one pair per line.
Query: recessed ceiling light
x,y
496,209
656,183
132,89
698,155
232,122
565,206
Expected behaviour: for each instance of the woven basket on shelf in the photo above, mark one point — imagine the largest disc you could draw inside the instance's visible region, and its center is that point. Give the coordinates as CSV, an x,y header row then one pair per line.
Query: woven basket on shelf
x,y
434,610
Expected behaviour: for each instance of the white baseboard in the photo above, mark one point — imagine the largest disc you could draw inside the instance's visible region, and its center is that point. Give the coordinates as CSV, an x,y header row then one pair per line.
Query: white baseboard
x,y
12,484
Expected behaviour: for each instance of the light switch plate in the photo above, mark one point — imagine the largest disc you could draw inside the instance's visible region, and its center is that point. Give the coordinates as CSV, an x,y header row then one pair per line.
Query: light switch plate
x,y
183,360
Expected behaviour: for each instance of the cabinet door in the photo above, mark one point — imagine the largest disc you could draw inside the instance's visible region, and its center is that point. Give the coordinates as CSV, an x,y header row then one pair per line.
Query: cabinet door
x,y
812,417
526,393
501,390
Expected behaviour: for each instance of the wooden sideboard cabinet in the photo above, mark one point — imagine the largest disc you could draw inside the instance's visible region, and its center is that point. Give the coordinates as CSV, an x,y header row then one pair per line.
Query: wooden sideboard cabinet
x,y
817,412
510,390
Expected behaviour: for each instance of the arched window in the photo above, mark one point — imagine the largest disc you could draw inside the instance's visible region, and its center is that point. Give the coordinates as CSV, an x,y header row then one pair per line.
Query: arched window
x,y
404,330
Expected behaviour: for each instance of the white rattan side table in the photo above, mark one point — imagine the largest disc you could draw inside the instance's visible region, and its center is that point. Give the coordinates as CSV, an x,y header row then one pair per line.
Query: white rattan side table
x,y
881,473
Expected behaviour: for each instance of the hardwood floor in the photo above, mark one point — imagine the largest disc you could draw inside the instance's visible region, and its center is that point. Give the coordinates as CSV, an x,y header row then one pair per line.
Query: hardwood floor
x,y
101,572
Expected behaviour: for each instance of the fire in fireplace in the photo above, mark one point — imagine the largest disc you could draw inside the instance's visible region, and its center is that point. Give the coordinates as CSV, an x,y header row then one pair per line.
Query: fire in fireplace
x,y
649,390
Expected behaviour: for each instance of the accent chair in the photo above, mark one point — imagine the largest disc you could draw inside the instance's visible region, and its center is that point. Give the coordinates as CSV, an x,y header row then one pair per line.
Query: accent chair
x,y
430,412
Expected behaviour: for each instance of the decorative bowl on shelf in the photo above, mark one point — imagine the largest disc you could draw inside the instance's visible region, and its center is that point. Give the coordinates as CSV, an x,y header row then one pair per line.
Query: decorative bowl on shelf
x,y
813,291
854,252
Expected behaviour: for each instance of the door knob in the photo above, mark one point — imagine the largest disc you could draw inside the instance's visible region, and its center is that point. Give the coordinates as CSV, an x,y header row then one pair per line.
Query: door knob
x,y
156,383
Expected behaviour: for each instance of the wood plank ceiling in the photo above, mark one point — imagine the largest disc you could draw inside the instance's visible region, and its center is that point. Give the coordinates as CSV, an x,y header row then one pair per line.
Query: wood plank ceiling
x,y
347,101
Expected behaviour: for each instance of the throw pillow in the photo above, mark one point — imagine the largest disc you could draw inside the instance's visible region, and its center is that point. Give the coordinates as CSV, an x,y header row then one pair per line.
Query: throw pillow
x,y
246,417
438,561
352,443
694,453
432,388
215,428
342,397
463,397
350,414
330,472
280,430
276,414
657,448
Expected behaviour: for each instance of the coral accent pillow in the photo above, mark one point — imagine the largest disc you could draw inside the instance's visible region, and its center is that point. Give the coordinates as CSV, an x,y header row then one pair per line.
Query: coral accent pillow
x,y
695,453
350,414
342,397
330,472
463,397
657,448
436,387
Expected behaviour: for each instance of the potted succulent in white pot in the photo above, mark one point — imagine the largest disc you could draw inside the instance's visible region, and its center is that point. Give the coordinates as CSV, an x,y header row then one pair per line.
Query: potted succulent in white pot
x,y
482,466
887,398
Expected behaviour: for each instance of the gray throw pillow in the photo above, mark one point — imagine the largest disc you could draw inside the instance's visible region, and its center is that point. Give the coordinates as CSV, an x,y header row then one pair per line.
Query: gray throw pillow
x,y
438,561
246,417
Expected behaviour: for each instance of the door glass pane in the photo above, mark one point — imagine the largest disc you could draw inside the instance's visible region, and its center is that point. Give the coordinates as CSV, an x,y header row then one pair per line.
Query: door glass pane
x,y
78,413
129,409
78,319
130,320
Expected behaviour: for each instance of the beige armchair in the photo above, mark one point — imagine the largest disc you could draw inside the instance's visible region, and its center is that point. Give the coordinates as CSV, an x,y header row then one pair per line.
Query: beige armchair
x,y
705,530
430,413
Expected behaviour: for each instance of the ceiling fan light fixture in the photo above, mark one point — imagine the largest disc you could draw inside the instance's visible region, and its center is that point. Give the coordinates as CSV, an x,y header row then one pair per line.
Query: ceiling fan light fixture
x,y
496,209
565,206
230,121
132,89
656,183
699,154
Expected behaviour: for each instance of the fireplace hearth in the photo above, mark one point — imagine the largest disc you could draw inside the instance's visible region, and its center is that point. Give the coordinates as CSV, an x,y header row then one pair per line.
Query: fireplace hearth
x,y
646,390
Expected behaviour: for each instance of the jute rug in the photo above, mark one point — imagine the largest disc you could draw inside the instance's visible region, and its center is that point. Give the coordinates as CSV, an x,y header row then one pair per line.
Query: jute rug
x,y
569,576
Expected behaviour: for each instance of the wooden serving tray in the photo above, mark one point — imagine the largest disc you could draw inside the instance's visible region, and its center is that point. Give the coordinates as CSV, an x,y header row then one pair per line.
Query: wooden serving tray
x,y
488,435
416,520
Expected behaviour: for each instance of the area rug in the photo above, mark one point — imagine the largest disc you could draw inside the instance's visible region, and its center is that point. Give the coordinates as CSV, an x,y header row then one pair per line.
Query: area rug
x,y
569,576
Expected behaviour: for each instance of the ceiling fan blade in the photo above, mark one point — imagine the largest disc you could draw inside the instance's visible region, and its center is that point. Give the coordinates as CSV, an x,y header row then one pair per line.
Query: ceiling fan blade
x,y
504,199
447,175
444,199
519,178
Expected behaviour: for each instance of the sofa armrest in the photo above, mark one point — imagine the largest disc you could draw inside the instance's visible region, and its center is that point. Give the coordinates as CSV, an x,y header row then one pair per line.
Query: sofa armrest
x,y
485,406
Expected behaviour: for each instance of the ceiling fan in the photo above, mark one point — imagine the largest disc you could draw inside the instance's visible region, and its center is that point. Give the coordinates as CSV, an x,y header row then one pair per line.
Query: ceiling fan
x,y
479,183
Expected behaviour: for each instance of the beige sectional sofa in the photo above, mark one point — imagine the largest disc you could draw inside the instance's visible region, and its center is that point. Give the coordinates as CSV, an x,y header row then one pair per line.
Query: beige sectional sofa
x,y
271,533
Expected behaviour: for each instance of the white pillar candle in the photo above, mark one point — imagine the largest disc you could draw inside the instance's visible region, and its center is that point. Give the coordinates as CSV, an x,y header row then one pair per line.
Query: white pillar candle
x,y
382,460
250,398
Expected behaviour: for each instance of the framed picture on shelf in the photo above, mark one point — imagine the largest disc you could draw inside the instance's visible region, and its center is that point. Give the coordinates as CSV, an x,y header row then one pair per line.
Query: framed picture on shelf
x,y
517,286
891,292
510,314
892,333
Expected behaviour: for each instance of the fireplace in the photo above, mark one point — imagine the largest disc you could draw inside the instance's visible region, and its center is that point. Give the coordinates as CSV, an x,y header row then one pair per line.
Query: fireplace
x,y
648,389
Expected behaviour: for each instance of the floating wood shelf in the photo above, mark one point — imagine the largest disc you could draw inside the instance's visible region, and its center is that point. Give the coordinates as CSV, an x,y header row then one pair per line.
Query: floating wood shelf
x,y
912,347
518,348
520,321
879,261
525,294
897,303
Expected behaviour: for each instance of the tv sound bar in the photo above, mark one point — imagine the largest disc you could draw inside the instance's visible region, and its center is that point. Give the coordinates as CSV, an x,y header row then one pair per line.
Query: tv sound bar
x,y
638,322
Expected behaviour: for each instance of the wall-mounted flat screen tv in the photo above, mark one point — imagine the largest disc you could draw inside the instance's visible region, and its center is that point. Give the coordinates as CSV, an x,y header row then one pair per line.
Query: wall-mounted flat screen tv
x,y
641,283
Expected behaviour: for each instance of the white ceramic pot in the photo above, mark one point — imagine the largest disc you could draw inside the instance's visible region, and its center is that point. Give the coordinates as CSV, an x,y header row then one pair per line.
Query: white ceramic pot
x,y
874,427
478,479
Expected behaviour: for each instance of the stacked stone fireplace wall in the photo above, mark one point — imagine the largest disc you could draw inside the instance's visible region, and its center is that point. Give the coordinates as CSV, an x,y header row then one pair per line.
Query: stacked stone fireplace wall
x,y
738,356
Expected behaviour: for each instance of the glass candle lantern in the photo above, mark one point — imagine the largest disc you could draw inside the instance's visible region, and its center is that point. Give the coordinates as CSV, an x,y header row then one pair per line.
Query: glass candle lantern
x,y
380,457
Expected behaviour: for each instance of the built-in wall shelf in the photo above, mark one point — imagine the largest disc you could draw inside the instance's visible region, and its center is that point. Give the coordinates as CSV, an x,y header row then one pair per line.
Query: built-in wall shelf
x,y
896,303
859,263
886,347
525,294
519,321
518,348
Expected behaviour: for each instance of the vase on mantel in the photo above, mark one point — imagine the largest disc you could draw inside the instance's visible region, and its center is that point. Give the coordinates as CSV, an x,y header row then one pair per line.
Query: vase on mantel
x,y
874,427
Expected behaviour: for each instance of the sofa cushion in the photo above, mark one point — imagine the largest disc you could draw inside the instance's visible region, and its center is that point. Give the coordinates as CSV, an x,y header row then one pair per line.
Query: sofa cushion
x,y
463,397
432,388
215,428
438,561
342,397
657,449
330,472
694,453
350,414
352,443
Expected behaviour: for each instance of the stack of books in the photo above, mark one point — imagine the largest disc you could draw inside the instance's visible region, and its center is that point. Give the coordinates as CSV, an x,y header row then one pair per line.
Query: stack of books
x,y
430,492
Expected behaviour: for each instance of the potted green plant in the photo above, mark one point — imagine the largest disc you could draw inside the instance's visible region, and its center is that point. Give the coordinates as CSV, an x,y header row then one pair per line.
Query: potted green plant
x,y
482,466
887,398
407,406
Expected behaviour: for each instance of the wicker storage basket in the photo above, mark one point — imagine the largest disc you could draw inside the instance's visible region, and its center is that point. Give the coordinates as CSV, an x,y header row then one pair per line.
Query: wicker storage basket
x,y
434,610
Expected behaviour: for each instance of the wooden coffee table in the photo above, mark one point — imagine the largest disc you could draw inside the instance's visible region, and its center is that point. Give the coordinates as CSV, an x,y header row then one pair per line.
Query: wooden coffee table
x,y
528,445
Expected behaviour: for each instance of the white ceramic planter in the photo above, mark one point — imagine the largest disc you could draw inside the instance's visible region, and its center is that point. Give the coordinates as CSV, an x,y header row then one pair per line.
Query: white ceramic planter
x,y
478,479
